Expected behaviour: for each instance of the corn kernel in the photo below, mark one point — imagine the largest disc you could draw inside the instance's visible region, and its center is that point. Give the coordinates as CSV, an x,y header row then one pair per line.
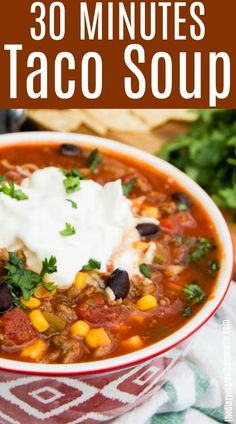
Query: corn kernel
x,y
32,303
81,279
151,212
147,302
35,350
97,337
38,321
133,343
79,329
141,245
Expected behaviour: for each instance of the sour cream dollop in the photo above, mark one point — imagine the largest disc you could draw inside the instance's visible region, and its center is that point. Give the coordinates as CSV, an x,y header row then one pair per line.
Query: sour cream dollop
x,y
101,221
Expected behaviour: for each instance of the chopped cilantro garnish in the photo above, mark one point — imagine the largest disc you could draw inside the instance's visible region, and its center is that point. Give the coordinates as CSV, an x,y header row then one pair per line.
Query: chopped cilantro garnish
x,y
9,190
73,204
92,264
182,207
127,188
145,270
75,172
49,286
72,180
2,178
194,294
94,160
49,266
20,278
16,301
71,184
23,282
187,311
214,265
68,230
202,247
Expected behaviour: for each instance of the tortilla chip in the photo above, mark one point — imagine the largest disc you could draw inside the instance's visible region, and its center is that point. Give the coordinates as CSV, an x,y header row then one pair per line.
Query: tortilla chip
x,y
56,119
92,123
157,117
118,120
102,120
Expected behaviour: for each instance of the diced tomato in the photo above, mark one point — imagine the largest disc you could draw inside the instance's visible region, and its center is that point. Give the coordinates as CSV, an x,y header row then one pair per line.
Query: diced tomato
x,y
16,328
170,225
177,223
94,309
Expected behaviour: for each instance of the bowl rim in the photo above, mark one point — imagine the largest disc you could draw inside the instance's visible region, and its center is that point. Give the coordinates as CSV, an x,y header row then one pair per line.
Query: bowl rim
x,y
194,324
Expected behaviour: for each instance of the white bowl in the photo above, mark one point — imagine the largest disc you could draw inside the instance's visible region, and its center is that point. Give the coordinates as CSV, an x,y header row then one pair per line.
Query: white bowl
x,y
224,276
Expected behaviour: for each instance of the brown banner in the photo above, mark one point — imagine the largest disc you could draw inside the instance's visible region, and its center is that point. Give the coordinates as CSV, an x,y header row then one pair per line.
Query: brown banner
x,y
113,54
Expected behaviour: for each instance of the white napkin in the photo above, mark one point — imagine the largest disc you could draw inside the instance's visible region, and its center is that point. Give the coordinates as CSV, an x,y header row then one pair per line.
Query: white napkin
x,y
194,392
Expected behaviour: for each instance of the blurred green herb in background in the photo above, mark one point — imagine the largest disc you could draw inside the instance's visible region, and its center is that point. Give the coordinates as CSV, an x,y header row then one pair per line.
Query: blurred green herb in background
x,y
207,153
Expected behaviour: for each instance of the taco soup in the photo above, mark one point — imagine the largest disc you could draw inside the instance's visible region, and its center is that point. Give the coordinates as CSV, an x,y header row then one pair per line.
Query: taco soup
x,y
99,255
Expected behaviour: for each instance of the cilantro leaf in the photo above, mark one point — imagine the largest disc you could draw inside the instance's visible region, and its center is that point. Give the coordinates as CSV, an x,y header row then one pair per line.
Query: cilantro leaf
x,y
94,160
75,172
72,180
128,187
207,154
194,294
73,204
202,248
145,270
187,311
71,184
228,195
68,230
23,282
92,264
49,286
49,266
213,267
19,278
9,190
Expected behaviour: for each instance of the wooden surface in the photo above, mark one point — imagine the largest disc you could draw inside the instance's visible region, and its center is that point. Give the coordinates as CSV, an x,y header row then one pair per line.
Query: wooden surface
x,y
150,142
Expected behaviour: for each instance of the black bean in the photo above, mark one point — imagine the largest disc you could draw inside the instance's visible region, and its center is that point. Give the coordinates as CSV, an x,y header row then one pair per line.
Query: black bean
x,y
70,149
148,230
6,301
182,198
119,283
